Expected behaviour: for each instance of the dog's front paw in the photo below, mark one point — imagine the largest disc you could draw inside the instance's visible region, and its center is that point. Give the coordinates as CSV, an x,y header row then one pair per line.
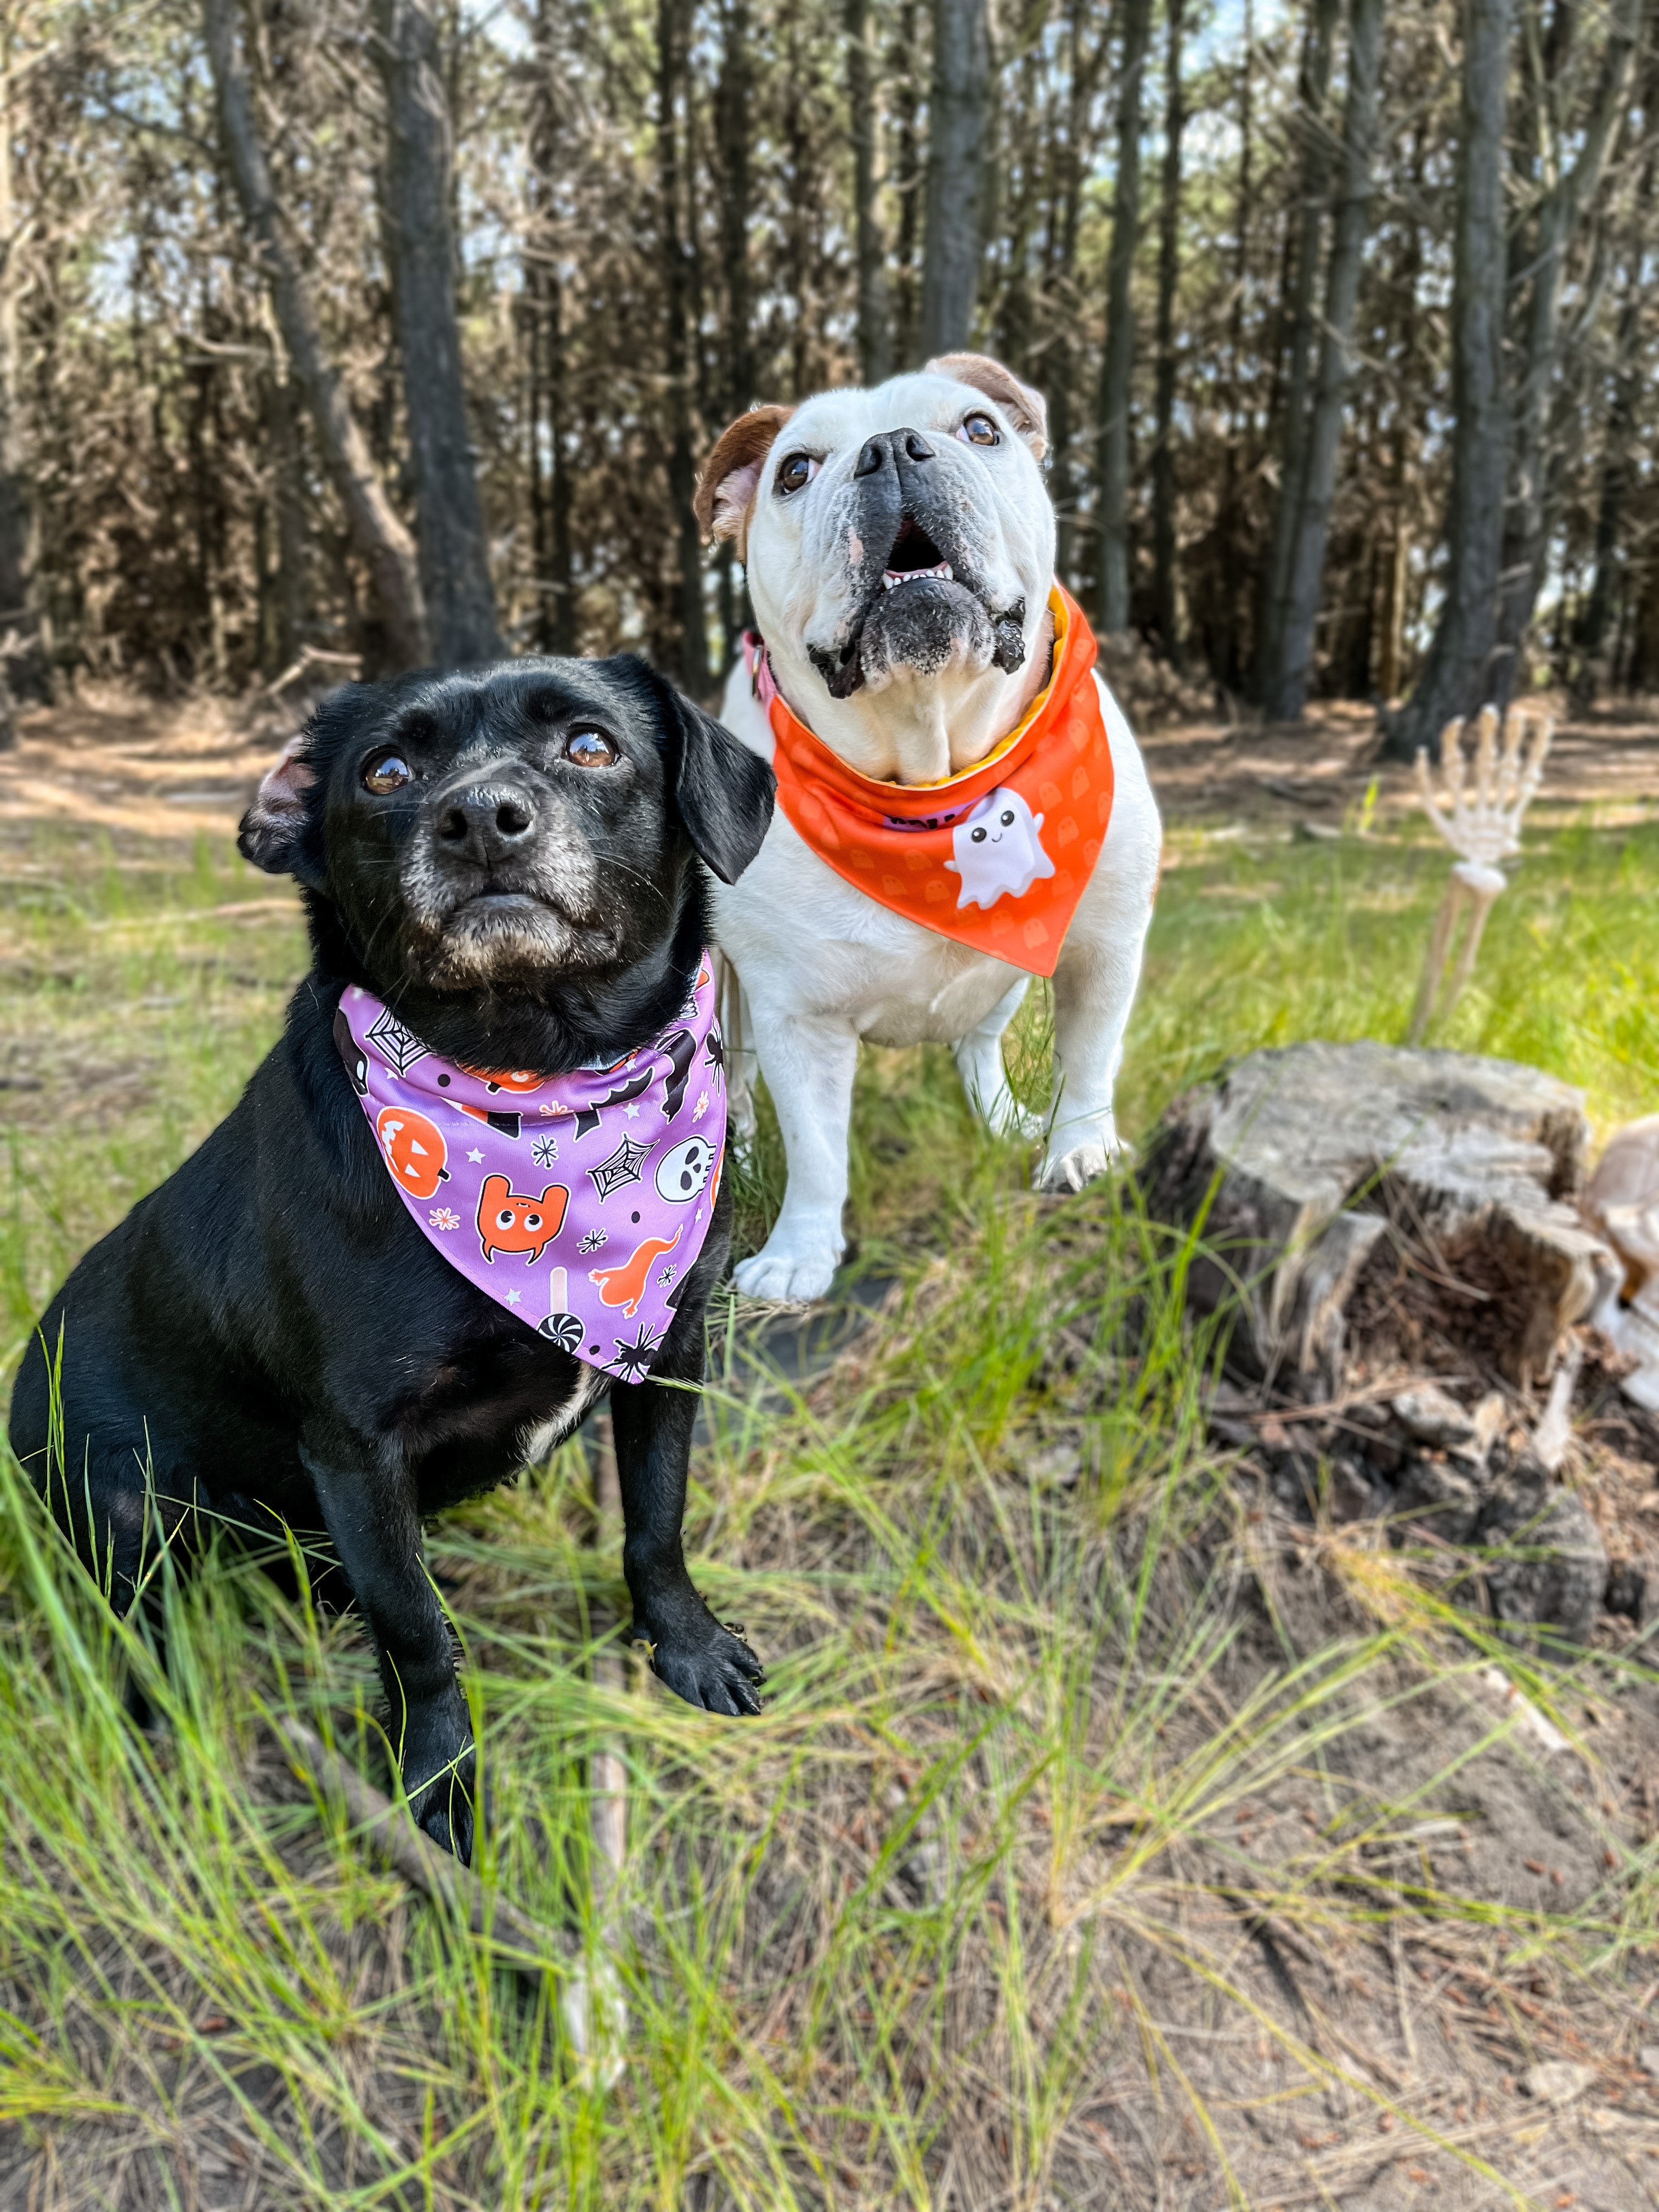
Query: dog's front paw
x,y
782,1273
706,1665
1082,1164
442,1789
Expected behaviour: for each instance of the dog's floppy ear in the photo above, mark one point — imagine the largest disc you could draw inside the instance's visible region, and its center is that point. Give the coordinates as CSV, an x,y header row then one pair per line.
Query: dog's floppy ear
x,y
1027,410
722,792
731,475
280,832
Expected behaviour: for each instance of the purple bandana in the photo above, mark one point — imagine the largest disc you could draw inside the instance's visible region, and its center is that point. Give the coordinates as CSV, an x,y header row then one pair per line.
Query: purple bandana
x,y
580,1201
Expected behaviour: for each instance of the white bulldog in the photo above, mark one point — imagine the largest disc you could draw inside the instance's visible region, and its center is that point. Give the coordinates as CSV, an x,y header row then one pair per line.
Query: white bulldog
x,y
900,550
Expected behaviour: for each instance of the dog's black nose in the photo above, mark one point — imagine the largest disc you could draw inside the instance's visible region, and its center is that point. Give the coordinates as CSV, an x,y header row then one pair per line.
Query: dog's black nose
x,y
485,821
892,446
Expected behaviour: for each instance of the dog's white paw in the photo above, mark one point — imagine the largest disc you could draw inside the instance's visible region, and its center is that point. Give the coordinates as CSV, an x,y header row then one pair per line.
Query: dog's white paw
x,y
1083,1165
806,1273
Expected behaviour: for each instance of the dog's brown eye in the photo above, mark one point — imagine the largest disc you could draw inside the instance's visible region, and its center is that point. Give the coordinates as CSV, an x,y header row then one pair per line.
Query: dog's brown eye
x,y
795,471
385,772
587,749
980,430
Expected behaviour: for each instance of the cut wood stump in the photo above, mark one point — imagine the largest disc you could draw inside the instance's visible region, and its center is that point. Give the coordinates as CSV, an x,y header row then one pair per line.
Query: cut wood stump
x,y
1372,1203
1389,1242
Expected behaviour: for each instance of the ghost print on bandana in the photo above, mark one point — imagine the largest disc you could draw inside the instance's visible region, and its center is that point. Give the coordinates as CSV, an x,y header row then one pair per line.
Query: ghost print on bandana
x,y
998,851
581,1209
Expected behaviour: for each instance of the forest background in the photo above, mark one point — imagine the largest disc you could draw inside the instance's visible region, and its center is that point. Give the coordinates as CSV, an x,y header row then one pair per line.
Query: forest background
x,y
349,334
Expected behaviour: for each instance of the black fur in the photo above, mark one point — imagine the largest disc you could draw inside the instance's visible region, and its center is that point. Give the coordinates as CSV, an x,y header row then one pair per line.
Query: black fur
x,y
269,1328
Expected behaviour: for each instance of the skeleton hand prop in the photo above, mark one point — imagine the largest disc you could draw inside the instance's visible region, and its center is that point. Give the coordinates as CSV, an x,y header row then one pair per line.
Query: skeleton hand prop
x,y
1481,820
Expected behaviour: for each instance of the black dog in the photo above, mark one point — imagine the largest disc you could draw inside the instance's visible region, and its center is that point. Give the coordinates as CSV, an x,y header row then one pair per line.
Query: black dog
x,y
509,857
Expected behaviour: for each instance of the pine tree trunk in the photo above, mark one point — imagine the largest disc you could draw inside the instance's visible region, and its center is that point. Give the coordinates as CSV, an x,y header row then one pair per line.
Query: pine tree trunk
x,y
1117,365
549,464
908,179
22,664
1455,668
454,552
1226,618
1169,273
961,94
875,335
283,578
1295,413
682,467
1287,695
732,123
1615,476
378,535
1527,538
1070,167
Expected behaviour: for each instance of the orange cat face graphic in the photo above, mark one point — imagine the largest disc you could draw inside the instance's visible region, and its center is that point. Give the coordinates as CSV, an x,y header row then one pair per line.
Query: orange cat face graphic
x,y
510,1222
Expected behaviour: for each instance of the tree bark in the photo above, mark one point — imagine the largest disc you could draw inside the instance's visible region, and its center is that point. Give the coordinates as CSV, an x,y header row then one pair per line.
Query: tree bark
x,y
962,68
1169,273
1615,477
1083,65
453,550
378,535
284,578
1527,538
22,664
553,580
732,123
1117,364
875,333
1295,421
1226,618
1287,692
905,100
1455,668
682,466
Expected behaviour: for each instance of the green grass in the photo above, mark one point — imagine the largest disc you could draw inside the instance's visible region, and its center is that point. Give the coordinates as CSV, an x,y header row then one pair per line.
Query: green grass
x,y
970,1916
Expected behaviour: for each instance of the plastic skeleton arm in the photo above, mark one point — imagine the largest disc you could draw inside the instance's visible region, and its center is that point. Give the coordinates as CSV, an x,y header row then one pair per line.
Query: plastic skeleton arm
x,y
1480,818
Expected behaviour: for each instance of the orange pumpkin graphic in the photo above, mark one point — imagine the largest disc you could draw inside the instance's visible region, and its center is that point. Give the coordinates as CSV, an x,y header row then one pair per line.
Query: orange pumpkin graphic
x,y
415,1147
506,1079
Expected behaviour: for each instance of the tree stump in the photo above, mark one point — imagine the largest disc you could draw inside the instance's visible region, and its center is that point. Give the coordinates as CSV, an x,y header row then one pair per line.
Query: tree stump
x,y
1388,1240
1362,1201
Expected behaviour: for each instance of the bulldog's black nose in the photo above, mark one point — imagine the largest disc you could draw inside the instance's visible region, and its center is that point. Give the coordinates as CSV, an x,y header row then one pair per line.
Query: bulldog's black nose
x,y
484,822
892,448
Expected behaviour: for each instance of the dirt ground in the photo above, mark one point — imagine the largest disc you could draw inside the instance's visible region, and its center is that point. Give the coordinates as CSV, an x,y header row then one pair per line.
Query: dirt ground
x,y
109,761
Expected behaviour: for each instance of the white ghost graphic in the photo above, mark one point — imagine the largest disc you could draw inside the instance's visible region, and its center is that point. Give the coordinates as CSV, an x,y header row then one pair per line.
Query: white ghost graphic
x,y
998,850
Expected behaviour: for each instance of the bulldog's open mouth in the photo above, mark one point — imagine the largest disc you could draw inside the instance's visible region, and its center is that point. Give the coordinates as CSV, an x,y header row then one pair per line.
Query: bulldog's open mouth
x,y
955,607
915,559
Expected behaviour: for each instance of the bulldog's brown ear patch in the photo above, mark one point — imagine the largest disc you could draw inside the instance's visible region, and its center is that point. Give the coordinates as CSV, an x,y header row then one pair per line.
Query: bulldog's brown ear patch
x,y
1027,410
731,475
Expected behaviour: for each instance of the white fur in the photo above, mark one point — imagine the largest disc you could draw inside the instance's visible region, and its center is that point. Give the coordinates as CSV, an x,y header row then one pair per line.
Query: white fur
x,y
537,1439
822,965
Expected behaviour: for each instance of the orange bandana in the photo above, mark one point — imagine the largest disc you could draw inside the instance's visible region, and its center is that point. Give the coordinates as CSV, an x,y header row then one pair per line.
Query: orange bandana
x,y
996,858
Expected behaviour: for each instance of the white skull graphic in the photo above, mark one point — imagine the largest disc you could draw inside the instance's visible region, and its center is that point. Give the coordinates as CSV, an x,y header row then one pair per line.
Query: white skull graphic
x,y
686,1170
998,851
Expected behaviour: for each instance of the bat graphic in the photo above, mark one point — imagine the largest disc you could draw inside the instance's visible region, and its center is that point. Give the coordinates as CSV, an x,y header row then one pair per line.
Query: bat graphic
x,y
637,1083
